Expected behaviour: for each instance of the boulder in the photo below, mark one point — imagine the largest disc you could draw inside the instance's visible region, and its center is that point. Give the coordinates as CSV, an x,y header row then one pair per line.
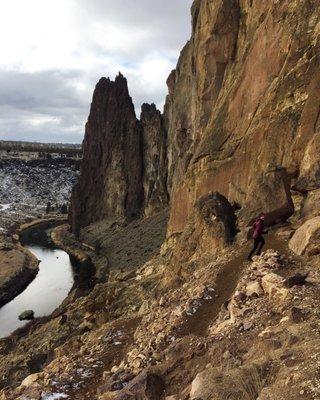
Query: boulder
x,y
146,386
305,236
273,286
26,315
218,216
296,280
254,289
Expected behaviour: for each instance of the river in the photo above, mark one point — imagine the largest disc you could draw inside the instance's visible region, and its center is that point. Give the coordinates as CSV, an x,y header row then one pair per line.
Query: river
x,y
49,288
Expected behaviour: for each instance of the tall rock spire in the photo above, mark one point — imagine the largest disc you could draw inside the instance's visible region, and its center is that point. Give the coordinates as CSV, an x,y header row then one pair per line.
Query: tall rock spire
x,y
110,182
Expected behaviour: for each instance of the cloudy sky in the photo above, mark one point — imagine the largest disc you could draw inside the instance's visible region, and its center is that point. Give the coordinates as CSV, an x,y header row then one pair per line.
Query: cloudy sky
x,y
52,53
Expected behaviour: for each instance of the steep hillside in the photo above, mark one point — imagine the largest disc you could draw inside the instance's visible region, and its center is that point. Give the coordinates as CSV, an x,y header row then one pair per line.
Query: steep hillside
x,y
177,312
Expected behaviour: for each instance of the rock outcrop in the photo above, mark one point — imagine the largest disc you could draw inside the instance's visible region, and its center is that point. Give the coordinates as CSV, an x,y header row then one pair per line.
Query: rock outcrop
x,y
242,104
306,238
111,174
241,118
124,169
154,140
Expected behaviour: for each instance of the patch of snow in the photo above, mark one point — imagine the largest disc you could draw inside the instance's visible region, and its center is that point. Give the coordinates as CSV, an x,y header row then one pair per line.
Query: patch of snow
x,y
54,396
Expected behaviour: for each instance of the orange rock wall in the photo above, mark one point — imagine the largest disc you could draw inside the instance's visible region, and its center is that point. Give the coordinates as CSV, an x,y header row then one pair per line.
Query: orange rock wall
x,y
250,72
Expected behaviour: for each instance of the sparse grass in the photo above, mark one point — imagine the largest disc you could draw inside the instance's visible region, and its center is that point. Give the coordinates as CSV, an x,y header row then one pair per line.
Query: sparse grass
x,y
243,383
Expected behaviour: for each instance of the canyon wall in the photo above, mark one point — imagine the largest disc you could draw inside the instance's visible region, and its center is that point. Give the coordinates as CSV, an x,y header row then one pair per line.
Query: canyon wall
x,y
242,107
241,119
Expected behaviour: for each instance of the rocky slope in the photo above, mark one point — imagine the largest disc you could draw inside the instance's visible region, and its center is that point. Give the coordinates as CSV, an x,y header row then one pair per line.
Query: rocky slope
x,y
37,182
194,319
29,183
233,330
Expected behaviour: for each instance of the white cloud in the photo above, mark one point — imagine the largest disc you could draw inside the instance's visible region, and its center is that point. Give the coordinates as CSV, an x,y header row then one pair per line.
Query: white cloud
x,y
53,52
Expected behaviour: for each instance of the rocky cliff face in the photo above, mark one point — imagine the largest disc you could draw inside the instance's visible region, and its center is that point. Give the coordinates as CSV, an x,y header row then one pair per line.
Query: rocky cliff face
x,y
241,118
242,104
110,181
154,141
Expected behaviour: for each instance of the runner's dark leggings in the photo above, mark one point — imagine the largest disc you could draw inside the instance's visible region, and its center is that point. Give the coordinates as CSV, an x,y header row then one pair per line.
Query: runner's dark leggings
x,y
258,244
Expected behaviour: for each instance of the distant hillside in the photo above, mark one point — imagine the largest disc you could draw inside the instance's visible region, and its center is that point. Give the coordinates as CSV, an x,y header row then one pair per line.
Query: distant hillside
x,y
64,148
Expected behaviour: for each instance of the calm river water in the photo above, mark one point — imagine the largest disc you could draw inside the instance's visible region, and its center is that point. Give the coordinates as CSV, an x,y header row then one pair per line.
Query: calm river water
x,y
47,291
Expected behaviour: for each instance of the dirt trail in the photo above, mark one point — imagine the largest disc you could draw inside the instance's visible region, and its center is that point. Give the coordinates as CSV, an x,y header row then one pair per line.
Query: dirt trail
x,y
226,283
88,373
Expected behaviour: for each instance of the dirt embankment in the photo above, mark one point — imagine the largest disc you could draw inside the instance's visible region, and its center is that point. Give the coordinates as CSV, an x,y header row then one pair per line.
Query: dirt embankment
x,y
18,268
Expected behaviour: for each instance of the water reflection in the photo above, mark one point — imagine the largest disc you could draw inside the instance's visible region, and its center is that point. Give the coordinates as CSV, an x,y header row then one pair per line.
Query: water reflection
x,y
47,291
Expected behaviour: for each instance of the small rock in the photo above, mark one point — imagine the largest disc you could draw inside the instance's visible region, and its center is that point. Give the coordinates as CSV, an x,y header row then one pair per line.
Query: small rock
x,y
86,326
117,386
254,288
297,315
315,251
247,325
272,285
26,315
296,280
63,319
162,301
200,349
147,386
30,380
240,297
157,356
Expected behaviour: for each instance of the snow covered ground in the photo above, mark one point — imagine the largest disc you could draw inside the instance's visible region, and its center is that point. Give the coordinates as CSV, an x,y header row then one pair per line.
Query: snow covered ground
x,y
27,187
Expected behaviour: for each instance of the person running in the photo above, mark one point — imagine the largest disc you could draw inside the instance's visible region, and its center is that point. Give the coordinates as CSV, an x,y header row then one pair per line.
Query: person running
x,y
258,240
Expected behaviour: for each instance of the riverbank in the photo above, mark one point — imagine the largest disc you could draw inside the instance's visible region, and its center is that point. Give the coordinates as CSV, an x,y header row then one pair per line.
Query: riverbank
x,y
47,291
19,266
86,255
